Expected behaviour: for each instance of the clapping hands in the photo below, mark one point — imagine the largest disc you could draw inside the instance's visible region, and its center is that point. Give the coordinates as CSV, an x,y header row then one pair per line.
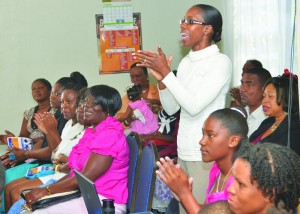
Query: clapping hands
x,y
46,122
174,177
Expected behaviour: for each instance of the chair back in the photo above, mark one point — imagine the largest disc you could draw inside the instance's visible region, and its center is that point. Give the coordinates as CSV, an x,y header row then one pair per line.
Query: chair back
x,y
135,148
146,178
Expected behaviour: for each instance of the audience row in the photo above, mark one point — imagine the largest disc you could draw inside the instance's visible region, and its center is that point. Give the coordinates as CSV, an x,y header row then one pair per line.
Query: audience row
x,y
247,155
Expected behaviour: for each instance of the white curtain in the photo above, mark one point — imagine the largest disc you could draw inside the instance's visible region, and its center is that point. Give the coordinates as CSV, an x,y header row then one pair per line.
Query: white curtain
x,y
259,30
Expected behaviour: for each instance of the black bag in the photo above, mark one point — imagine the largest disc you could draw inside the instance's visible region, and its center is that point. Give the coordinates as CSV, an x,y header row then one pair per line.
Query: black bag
x,y
50,200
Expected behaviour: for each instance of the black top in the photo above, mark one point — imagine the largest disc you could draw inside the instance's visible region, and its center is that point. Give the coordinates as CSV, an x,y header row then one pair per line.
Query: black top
x,y
61,122
280,135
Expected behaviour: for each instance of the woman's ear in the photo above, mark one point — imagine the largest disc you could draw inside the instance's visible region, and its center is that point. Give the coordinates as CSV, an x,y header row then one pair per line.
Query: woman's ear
x,y
234,141
208,30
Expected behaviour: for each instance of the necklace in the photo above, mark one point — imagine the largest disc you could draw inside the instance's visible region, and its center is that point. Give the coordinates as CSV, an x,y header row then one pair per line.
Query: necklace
x,y
274,127
277,123
144,91
219,178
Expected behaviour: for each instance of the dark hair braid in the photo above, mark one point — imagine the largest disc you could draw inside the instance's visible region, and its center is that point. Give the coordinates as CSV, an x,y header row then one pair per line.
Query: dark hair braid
x,y
276,169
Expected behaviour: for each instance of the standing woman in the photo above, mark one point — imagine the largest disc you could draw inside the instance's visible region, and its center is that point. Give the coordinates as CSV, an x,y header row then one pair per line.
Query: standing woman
x,y
202,81
275,129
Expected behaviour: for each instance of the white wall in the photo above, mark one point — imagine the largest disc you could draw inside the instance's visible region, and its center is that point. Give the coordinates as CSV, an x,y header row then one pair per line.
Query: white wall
x,y
52,38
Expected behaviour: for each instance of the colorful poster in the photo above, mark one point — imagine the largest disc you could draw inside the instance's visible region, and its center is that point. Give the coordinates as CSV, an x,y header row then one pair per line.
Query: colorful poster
x,y
115,47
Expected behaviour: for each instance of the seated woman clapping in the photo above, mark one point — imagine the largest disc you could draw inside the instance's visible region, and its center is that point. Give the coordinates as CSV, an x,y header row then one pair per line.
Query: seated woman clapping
x,y
71,134
102,155
40,91
224,132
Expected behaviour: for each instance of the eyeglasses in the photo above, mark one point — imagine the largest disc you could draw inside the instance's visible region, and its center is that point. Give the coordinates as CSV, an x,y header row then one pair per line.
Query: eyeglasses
x,y
87,103
189,21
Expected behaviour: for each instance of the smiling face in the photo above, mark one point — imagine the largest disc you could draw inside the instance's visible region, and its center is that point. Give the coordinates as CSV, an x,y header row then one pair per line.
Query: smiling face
x,y
216,140
93,114
270,106
39,91
195,36
244,196
80,115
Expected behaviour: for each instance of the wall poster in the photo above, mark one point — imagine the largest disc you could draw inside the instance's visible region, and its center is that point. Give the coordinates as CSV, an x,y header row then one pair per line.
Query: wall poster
x,y
115,46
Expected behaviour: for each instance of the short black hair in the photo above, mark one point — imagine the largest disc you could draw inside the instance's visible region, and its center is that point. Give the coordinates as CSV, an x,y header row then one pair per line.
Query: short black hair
x,y
107,97
255,63
262,74
276,169
213,17
282,86
144,69
44,82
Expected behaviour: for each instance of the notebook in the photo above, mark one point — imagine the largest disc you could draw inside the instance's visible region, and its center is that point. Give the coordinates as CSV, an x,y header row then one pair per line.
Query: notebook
x,y
89,194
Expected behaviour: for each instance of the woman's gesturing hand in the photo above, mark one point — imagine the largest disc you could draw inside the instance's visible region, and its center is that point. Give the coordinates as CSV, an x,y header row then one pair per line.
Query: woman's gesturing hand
x,y
174,177
158,64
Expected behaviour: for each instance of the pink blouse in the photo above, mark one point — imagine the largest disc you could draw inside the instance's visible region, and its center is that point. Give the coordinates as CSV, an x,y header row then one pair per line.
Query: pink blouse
x,y
107,140
151,122
216,196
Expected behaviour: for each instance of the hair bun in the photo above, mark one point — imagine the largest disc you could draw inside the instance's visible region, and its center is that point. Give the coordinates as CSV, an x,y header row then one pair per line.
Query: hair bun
x,y
288,74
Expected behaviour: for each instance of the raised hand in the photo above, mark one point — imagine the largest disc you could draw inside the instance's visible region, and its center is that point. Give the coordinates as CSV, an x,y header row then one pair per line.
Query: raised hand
x,y
158,64
235,93
46,122
174,177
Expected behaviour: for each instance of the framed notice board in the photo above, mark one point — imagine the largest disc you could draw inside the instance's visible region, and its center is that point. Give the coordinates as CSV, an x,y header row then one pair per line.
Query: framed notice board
x,y
115,47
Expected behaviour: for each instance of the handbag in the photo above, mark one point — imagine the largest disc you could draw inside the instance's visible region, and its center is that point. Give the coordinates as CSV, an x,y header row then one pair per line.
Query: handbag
x,y
50,200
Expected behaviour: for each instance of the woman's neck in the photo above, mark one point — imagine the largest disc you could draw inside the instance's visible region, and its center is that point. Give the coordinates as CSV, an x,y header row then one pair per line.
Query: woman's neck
x,y
44,106
74,121
201,46
225,165
145,89
279,118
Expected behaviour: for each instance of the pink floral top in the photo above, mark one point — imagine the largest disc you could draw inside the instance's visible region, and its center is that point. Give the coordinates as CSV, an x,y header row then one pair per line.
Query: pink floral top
x,y
216,196
107,140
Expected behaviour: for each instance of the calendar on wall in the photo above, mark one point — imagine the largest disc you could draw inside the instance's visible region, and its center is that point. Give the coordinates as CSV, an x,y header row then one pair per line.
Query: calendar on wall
x,y
116,42
117,15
